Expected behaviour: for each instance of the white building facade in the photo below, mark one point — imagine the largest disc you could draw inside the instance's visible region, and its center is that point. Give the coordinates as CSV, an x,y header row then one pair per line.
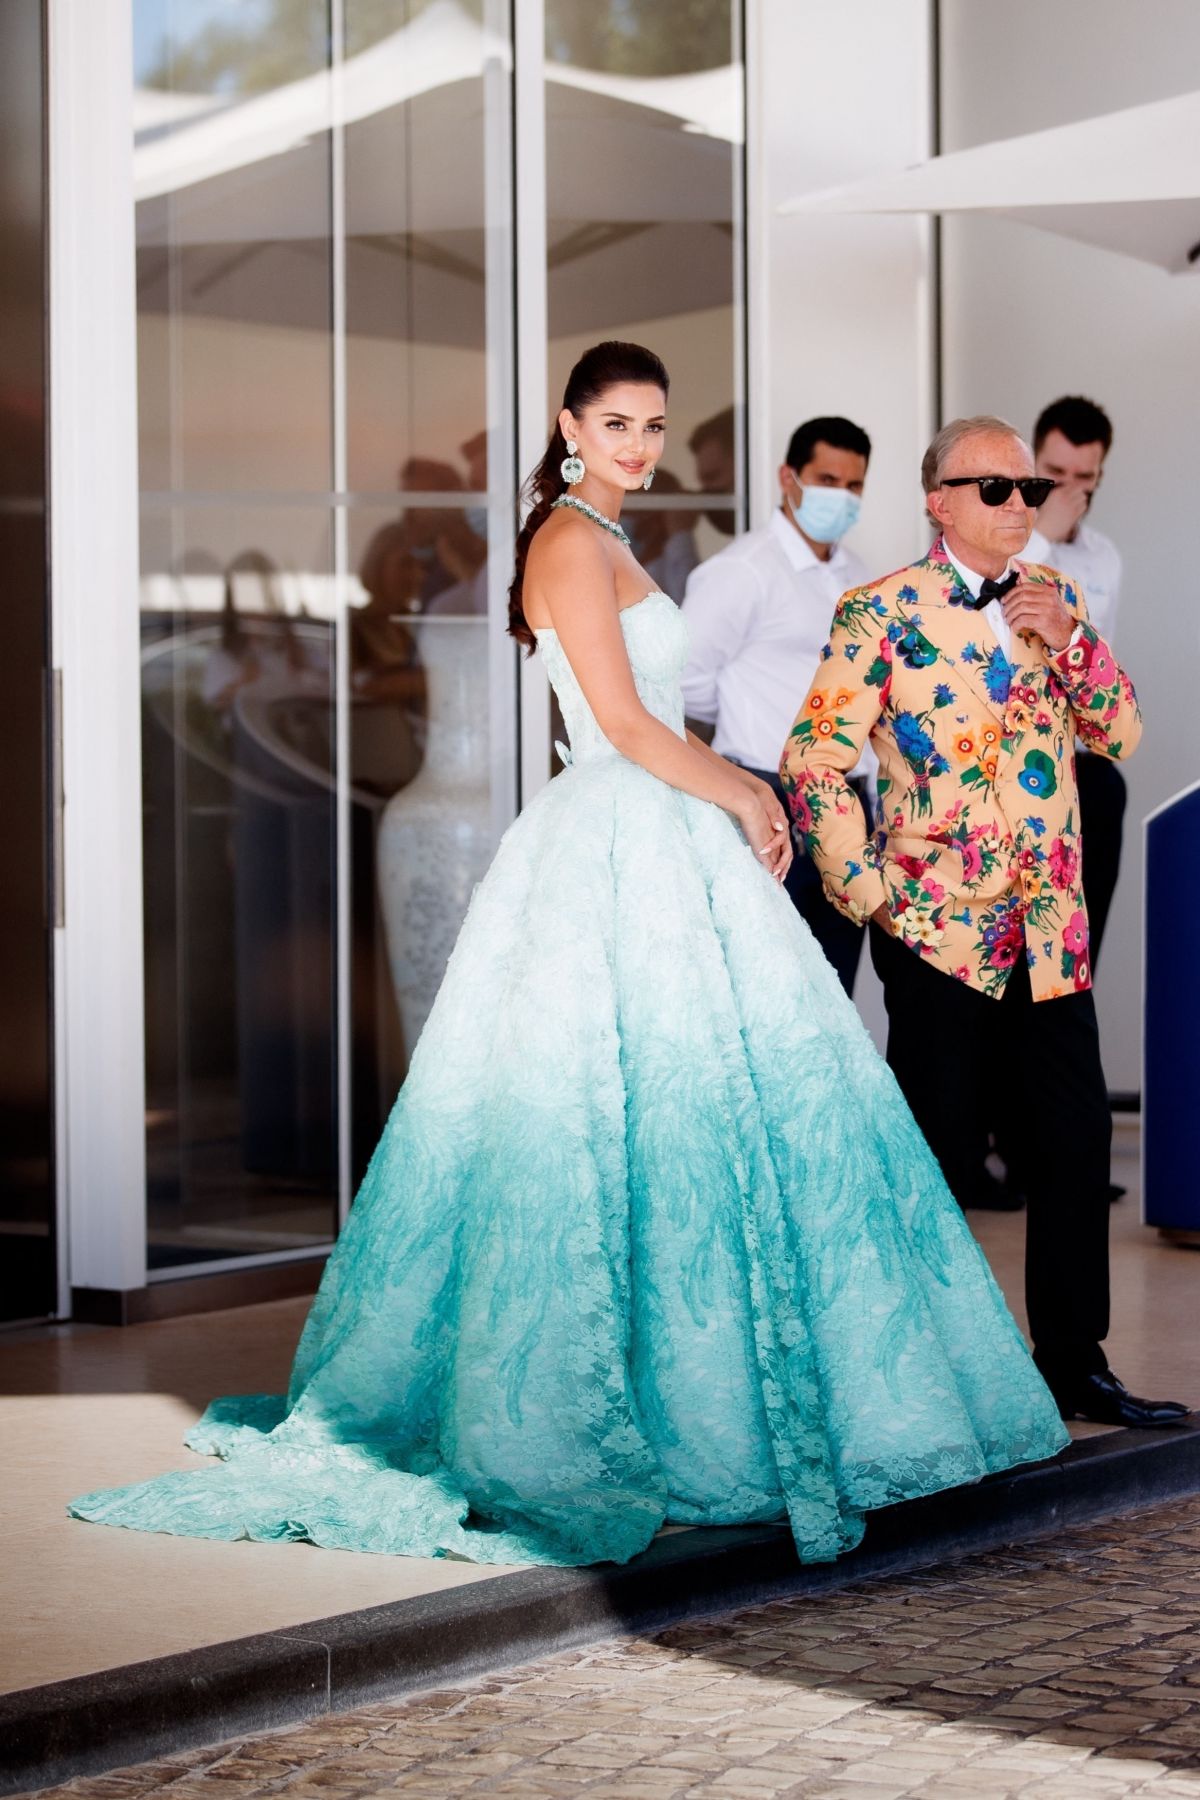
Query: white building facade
x,y
315,272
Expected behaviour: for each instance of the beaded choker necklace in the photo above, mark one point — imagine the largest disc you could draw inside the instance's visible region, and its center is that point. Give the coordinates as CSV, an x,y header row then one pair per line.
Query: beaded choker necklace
x,y
589,512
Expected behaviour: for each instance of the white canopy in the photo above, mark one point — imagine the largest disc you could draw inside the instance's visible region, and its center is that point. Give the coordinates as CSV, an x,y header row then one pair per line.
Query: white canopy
x,y
243,186
185,142
1127,181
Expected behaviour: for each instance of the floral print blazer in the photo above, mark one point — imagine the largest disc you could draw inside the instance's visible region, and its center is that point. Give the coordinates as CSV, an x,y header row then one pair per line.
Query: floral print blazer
x,y
976,854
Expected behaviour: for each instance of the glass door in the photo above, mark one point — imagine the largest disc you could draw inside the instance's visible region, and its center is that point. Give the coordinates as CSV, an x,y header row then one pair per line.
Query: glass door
x,y
336,205
328,698
645,171
28,1282
645,175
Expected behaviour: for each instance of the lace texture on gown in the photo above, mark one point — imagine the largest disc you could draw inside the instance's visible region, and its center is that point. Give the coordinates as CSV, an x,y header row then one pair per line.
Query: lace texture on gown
x,y
650,1234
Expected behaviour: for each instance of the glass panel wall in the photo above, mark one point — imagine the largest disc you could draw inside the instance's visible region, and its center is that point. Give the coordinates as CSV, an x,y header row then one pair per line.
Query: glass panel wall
x,y
327,416
324,269
644,163
27,1250
428,282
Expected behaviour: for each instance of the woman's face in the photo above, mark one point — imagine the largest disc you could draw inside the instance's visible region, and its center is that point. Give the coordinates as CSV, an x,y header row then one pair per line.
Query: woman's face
x,y
620,435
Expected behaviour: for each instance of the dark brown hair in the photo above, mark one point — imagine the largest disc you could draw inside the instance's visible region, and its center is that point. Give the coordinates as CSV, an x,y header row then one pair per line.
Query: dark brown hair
x,y
1080,421
598,369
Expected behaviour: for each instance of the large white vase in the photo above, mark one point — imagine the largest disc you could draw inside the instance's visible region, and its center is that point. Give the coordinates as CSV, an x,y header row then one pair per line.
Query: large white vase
x,y
435,836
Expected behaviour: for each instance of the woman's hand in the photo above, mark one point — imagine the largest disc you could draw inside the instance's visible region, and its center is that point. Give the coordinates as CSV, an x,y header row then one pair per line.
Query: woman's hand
x,y
762,819
763,789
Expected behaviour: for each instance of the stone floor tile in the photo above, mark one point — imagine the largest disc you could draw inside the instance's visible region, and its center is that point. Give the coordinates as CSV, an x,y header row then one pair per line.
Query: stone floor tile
x,y
579,1754
850,1787
964,1786
1083,1786
836,1661
637,1786
696,1710
754,1779
1059,1671
740,1741
921,1758
529,1784
697,1759
104,1787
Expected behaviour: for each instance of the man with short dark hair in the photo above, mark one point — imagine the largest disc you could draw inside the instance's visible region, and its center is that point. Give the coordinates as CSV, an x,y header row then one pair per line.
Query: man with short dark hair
x,y
759,613
1071,442
972,672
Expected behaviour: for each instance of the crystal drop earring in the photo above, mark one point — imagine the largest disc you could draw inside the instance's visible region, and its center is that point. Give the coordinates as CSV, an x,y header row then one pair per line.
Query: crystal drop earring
x,y
648,480
571,468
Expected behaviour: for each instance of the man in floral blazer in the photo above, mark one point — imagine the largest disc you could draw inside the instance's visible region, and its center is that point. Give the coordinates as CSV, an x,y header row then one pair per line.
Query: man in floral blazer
x,y
971,674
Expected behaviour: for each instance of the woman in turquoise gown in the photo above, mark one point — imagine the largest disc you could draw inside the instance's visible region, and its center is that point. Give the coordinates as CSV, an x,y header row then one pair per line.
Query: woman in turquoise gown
x,y
650,1235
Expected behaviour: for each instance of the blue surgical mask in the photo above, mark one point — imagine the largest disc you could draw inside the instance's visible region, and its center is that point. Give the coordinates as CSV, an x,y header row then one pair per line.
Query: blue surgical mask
x,y
826,514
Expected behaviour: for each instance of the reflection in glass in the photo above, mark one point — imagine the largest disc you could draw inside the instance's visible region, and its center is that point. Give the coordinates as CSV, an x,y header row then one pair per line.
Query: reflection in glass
x,y
416,253
644,160
664,537
300,361
238,797
232,177
28,1273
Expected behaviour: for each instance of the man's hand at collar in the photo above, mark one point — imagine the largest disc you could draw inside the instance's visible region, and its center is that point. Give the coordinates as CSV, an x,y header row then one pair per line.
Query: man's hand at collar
x,y
1037,606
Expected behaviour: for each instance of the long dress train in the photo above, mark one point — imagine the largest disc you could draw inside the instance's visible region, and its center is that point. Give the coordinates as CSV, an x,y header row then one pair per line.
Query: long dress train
x,y
650,1234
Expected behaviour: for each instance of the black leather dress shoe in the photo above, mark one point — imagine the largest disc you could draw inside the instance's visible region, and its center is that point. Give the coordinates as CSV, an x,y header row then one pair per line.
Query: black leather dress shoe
x,y
1109,1402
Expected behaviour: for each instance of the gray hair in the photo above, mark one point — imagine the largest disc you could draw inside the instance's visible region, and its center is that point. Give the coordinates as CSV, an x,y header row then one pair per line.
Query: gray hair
x,y
937,455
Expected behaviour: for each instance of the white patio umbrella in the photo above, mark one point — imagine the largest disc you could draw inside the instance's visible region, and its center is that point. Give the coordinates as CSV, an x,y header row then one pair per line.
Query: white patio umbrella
x,y
243,187
1127,181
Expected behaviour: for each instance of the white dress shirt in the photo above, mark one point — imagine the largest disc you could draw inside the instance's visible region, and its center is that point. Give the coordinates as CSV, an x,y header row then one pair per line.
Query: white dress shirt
x,y
759,613
991,616
1093,562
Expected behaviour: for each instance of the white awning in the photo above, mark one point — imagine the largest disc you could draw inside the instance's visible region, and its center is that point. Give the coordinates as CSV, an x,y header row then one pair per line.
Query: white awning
x,y
1127,181
184,141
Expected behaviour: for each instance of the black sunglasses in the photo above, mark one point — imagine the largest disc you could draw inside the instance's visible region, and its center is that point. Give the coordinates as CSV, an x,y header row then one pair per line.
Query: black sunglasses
x,y
995,489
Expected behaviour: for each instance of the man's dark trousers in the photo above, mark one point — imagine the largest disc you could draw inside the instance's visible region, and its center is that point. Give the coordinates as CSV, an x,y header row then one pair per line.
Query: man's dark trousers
x,y
840,940
961,1058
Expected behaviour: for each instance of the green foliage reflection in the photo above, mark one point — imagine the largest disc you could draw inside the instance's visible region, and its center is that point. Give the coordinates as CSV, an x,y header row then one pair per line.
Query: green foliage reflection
x,y
640,37
271,42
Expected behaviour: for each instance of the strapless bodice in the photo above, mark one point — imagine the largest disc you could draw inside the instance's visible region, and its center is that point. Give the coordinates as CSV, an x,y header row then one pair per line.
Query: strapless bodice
x,y
656,638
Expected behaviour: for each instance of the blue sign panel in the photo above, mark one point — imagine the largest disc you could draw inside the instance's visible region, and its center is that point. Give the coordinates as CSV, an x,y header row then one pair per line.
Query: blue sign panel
x,y
1171,1050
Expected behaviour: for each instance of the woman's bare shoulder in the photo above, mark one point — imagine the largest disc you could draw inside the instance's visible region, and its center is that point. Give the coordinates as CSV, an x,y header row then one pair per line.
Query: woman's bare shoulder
x,y
567,538
566,554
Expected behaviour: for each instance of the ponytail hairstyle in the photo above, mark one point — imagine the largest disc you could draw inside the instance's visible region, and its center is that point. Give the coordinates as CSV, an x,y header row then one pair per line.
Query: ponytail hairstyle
x,y
602,367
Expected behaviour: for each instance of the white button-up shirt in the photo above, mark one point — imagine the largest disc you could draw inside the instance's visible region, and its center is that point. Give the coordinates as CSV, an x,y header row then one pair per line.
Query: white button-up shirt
x,y
1091,561
991,616
759,614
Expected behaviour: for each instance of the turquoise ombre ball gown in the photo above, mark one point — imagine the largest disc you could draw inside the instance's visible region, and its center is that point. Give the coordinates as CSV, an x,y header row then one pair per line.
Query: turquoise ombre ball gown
x,y
650,1234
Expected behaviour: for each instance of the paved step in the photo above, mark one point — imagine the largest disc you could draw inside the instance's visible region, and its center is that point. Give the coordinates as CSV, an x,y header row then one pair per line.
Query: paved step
x,y
145,1710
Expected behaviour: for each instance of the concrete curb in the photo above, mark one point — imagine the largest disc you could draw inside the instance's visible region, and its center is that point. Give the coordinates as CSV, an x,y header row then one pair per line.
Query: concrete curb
x,y
151,1709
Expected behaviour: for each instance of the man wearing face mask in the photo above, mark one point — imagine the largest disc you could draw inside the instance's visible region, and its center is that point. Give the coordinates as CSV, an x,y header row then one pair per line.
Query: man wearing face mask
x,y
759,615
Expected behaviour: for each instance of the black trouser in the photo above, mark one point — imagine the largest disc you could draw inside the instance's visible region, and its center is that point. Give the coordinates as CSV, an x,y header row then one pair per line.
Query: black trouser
x,y
1102,798
840,940
958,1056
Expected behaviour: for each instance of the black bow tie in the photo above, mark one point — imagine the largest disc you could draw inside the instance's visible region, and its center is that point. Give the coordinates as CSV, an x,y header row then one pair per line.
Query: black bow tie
x,y
992,590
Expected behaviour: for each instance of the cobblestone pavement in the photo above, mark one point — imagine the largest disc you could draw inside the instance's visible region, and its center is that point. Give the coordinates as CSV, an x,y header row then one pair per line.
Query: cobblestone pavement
x,y
1069,1670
